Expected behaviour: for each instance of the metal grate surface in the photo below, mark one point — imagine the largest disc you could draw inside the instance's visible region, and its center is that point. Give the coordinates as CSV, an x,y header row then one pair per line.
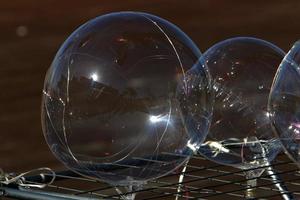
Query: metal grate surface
x,y
202,179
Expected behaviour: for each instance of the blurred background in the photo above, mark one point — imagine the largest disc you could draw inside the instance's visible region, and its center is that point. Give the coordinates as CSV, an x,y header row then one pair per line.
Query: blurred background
x,y
31,32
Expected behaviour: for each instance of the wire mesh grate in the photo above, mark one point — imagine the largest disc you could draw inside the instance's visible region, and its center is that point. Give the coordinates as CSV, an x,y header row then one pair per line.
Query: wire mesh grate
x,y
201,179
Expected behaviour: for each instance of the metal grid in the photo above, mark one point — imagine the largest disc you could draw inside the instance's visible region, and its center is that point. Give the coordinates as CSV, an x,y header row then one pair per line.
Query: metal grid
x,y
202,180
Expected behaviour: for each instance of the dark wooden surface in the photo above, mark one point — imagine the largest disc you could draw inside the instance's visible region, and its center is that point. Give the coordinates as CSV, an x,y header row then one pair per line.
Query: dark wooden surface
x,y
26,54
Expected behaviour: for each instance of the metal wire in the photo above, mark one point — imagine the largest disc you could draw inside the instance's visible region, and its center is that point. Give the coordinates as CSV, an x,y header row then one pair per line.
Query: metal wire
x,y
202,180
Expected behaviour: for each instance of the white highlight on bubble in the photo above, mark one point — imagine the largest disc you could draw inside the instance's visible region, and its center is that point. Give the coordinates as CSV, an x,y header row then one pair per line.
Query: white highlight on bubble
x,y
158,118
193,146
94,76
155,119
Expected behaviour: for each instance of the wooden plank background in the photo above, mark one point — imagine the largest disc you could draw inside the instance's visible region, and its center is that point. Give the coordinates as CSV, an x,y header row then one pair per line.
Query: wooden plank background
x,y
31,31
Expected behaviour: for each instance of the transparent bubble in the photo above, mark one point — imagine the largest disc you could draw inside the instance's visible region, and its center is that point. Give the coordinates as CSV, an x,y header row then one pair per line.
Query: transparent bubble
x,y
284,103
242,70
125,99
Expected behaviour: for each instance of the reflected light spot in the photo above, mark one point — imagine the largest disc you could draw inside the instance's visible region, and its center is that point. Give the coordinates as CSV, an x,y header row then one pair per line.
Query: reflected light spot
x,y
267,114
158,118
94,77
154,119
192,146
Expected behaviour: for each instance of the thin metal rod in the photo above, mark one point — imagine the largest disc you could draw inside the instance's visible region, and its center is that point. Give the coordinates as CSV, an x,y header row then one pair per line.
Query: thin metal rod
x,y
286,195
214,186
204,178
164,187
35,195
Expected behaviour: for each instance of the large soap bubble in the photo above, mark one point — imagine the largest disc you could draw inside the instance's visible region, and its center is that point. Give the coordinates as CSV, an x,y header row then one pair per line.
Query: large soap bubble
x,y
125,99
241,136
284,103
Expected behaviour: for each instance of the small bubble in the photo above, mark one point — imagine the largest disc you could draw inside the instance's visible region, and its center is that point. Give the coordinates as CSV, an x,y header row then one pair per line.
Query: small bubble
x,y
22,31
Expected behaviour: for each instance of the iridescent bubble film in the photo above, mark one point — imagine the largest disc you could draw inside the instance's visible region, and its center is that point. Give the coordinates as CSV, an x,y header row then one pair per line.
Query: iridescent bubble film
x,y
125,99
242,70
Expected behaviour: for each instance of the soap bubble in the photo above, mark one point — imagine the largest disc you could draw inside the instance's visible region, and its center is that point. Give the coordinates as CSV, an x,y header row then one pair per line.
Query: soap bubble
x,y
125,99
241,136
284,103
242,70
